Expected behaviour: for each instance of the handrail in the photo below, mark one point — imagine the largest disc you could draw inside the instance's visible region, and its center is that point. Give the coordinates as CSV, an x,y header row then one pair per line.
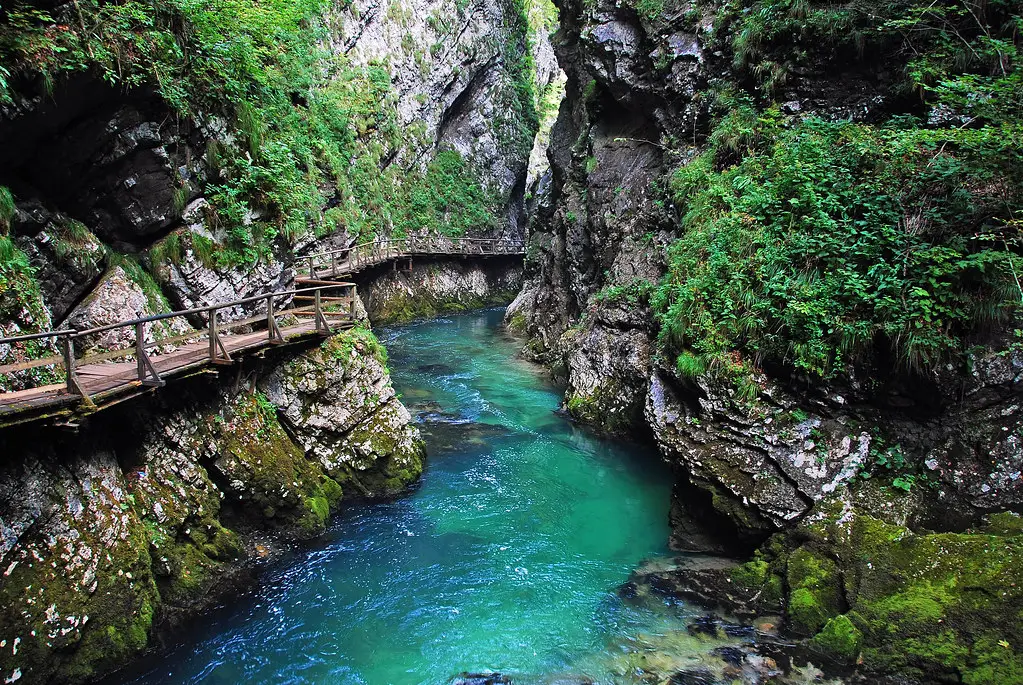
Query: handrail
x,y
35,336
218,352
200,310
74,333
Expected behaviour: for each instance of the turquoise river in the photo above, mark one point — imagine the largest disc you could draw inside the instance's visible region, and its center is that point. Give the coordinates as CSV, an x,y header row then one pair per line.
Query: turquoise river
x,y
506,558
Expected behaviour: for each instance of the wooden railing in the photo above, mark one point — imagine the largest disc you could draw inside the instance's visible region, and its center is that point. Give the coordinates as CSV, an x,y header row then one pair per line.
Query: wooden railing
x,y
319,307
356,257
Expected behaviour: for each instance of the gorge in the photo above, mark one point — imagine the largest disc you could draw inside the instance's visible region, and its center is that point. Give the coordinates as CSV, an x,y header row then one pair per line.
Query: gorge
x,y
771,244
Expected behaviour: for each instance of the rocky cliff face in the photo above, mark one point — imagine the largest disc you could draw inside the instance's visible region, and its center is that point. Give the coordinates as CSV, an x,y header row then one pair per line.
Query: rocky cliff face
x,y
155,509
769,457
195,209
437,286
134,180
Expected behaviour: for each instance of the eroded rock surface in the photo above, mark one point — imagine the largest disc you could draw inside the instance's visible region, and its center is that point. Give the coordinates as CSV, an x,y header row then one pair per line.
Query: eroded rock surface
x,y
437,286
154,510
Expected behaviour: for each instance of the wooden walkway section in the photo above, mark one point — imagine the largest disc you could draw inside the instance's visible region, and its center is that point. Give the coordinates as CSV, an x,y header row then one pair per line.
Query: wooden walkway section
x,y
347,261
326,305
96,381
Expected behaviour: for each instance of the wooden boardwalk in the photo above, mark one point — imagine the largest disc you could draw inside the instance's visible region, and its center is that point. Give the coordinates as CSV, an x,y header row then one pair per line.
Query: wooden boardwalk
x,y
345,262
107,383
100,380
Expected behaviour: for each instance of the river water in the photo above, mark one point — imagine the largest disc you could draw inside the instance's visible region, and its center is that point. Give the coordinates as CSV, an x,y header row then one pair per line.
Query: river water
x,y
506,558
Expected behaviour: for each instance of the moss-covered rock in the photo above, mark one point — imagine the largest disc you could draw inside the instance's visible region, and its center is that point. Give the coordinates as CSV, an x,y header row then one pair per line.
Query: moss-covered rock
x,y
77,595
150,516
439,287
816,593
840,639
257,456
759,579
338,404
940,607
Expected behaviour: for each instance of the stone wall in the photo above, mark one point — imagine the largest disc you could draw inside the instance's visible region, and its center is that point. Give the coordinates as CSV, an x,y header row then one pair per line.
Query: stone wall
x,y
749,471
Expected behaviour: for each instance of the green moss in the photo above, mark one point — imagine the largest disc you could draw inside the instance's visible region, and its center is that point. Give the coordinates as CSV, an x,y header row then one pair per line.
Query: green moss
x,y
517,323
839,639
603,409
359,340
315,521
816,591
756,577
805,614
258,452
995,661
403,307
194,561
1005,523
938,607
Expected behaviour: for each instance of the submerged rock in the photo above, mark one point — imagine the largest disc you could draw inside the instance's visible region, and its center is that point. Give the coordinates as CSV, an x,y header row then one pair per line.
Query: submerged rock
x,y
738,589
481,679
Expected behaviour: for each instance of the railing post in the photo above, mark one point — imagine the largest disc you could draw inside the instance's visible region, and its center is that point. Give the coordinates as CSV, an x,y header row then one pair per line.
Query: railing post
x,y
221,357
351,302
145,364
322,326
140,349
312,269
333,263
273,331
73,386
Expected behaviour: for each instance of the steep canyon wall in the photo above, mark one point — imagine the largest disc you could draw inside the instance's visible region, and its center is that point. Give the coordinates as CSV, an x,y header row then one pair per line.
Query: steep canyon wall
x,y
651,293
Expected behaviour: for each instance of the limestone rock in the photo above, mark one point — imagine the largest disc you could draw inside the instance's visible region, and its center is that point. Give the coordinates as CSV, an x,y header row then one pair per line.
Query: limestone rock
x,y
338,403
68,258
119,297
192,281
436,286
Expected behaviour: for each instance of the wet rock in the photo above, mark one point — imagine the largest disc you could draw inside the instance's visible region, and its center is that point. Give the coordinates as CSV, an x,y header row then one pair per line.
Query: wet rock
x,y
738,589
731,655
693,677
481,679
714,625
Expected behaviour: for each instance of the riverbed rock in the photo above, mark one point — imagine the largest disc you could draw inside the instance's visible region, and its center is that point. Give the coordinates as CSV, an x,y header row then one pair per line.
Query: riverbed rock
x,y
338,404
481,679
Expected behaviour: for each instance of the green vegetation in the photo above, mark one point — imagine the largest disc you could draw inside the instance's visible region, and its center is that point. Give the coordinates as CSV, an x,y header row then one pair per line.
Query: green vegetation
x,y
817,244
6,210
305,119
355,342
634,294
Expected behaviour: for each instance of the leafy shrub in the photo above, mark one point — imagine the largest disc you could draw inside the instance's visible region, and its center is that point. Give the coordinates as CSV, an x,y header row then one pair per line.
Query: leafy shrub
x,y
809,242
